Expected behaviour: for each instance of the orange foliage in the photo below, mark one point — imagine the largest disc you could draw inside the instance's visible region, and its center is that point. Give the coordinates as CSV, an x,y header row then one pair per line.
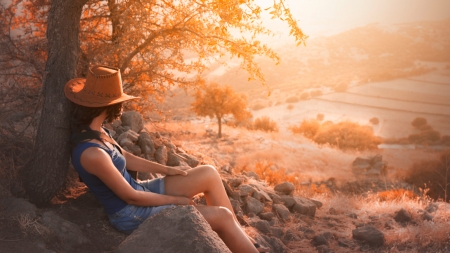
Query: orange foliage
x,y
156,44
396,195
217,101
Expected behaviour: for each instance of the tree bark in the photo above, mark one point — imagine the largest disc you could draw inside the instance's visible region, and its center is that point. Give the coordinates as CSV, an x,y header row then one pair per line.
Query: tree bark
x,y
219,120
45,172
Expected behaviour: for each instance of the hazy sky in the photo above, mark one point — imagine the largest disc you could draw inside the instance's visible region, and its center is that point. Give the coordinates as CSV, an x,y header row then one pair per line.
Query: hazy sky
x,y
326,17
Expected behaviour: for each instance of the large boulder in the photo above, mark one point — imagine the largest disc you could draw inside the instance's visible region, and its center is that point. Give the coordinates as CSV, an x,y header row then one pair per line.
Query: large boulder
x,y
369,235
132,119
285,188
161,155
68,233
304,206
145,142
176,229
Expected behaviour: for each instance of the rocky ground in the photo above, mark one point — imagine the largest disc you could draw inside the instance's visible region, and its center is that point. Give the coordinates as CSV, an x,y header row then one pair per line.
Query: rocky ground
x,y
369,212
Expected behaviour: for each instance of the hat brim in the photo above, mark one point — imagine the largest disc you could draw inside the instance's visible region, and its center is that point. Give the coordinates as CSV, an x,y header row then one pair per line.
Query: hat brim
x,y
74,91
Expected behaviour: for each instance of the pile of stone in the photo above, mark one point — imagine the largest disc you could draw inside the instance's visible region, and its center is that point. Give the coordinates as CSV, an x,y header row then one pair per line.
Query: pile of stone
x,y
131,135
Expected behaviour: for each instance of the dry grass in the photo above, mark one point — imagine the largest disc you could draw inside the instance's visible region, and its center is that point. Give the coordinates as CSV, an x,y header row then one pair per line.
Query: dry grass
x,y
30,225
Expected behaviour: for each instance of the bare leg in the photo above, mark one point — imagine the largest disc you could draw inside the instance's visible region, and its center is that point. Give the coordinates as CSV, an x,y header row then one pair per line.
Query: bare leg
x,y
205,179
222,221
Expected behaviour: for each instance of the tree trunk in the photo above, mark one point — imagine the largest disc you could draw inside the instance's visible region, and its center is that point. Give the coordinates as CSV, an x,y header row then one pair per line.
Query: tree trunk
x,y
45,172
219,120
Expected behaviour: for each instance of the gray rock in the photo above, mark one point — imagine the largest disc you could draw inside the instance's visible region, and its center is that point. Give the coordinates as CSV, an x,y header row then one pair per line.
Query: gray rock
x,y
369,235
133,119
234,182
67,232
290,236
173,159
276,244
322,239
146,144
14,207
261,225
263,196
126,144
277,232
282,211
191,160
136,150
246,190
432,207
176,229
268,216
252,175
285,188
236,206
353,215
304,206
317,203
402,216
253,206
276,199
130,134
287,200
161,155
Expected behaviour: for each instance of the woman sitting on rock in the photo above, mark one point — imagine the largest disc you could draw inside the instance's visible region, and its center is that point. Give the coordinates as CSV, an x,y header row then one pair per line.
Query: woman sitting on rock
x,y
102,165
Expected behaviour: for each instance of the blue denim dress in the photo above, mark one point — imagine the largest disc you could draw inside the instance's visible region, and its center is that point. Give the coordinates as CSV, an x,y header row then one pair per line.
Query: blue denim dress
x,y
123,217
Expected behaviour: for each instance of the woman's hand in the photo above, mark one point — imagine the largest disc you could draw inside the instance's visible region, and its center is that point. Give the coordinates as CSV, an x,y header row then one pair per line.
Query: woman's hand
x,y
178,170
184,201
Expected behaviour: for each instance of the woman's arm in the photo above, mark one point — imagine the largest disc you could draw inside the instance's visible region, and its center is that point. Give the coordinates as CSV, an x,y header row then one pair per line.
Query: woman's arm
x,y
136,163
97,162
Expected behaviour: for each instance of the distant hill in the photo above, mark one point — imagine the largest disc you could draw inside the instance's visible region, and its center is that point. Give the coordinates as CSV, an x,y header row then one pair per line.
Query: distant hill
x,y
371,53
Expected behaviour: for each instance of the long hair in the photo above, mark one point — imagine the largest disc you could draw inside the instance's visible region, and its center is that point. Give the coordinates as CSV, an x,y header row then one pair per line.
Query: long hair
x,y
82,116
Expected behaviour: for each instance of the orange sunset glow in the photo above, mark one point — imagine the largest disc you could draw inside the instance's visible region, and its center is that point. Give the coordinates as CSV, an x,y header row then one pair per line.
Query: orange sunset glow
x,y
275,126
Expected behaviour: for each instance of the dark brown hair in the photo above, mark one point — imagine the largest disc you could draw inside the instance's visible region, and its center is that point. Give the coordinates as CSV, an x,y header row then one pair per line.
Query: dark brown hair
x,y
82,116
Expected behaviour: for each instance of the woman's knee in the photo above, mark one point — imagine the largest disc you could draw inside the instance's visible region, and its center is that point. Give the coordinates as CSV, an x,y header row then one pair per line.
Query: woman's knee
x,y
209,170
224,218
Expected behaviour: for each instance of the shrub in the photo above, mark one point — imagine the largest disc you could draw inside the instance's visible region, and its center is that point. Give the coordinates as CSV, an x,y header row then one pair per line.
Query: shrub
x,y
273,176
304,96
265,124
316,93
341,87
419,122
257,107
290,107
292,100
432,175
425,137
374,120
425,127
347,135
320,117
445,140
308,128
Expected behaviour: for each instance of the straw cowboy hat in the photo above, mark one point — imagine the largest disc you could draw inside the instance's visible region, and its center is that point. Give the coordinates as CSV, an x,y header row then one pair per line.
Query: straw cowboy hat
x,y
102,87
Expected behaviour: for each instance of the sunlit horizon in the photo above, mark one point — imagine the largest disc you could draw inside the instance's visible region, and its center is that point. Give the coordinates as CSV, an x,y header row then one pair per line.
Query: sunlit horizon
x,y
328,17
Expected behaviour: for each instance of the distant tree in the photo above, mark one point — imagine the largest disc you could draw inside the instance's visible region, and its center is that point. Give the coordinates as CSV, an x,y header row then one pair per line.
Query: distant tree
x,y
419,122
216,101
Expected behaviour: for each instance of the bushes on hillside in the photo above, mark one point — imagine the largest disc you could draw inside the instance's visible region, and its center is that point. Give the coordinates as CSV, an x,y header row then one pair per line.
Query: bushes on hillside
x,y
347,135
308,128
432,175
344,135
419,122
264,124
292,100
374,121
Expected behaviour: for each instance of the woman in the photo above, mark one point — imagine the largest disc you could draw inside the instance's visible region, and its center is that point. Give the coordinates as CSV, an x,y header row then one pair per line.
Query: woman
x,y
103,165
